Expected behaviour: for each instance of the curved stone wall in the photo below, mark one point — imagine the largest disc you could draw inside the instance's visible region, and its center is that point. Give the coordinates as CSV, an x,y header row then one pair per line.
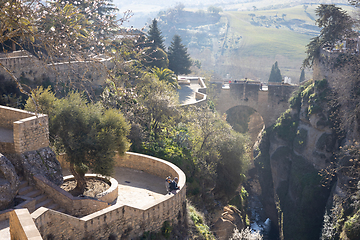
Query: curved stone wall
x,y
122,221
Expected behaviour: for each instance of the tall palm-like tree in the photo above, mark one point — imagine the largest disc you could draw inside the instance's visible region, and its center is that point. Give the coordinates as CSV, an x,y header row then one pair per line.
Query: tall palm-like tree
x,y
165,74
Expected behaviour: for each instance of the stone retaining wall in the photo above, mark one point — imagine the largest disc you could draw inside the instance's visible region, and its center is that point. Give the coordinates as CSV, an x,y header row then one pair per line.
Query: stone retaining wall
x,y
73,205
23,65
120,221
30,131
22,225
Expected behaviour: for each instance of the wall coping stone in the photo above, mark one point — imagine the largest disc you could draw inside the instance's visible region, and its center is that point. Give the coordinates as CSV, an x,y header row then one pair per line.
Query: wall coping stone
x,y
171,204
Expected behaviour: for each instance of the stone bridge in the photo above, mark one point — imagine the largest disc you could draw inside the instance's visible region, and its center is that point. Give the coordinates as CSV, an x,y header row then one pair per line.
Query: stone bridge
x,y
269,101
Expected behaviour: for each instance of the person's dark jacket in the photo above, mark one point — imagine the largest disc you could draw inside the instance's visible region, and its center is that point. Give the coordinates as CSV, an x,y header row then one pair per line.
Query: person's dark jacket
x,y
173,186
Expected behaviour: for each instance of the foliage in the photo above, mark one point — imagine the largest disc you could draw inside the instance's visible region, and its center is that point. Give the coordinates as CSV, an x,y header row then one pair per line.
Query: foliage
x,y
295,99
352,226
166,229
160,101
44,101
57,31
286,126
179,59
275,75
155,39
247,234
165,74
335,23
200,225
155,57
302,75
87,133
240,200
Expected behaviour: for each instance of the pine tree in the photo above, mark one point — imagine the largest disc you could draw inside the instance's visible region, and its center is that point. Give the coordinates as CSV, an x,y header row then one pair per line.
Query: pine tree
x,y
179,59
154,36
275,75
302,76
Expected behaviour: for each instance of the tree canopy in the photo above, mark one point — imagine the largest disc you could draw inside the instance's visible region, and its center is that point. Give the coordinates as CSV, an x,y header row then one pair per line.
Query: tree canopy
x,y
275,74
155,39
179,59
86,132
335,24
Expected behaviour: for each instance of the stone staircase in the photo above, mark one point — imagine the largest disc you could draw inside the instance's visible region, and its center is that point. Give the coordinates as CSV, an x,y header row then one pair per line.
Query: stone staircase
x,y
42,200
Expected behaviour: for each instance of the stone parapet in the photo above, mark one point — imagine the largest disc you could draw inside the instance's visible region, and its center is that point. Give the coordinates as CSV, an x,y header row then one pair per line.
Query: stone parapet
x,y
119,220
22,225
75,206
30,130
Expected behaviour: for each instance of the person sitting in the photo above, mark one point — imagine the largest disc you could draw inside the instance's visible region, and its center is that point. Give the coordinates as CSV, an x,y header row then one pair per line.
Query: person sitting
x,y
167,184
174,186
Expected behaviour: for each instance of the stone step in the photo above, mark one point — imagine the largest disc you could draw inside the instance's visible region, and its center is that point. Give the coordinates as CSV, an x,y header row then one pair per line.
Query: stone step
x,y
47,202
54,206
33,193
4,230
40,198
23,191
23,184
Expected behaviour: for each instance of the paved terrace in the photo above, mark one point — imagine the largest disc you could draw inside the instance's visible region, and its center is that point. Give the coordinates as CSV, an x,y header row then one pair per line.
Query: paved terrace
x,y
187,91
136,188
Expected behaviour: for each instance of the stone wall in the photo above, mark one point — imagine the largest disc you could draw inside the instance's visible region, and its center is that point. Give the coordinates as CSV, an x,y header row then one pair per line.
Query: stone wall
x,y
120,221
10,115
22,226
30,131
23,65
269,104
73,205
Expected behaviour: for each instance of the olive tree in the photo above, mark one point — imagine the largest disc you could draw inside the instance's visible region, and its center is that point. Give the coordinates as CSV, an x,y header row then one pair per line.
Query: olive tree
x,y
89,134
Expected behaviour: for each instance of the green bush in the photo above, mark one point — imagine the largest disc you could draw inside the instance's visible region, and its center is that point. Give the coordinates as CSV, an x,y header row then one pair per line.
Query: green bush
x,y
352,226
286,126
199,223
166,229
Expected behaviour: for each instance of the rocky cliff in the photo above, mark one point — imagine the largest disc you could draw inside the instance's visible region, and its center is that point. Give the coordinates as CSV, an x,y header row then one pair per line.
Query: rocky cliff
x,y
291,160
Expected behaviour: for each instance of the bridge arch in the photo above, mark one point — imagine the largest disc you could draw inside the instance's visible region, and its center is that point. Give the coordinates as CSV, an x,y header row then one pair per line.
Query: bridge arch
x,y
269,104
245,119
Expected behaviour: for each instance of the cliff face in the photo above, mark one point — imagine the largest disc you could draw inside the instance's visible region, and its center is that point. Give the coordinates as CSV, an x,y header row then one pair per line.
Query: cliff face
x,y
289,159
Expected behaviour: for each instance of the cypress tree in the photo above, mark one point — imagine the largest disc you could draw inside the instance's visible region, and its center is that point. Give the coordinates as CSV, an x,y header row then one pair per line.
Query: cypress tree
x,y
302,76
275,75
179,59
154,36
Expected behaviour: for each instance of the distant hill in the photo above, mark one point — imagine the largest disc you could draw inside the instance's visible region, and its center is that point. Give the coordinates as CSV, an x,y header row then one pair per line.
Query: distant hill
x,y
243,40
144,10
239,44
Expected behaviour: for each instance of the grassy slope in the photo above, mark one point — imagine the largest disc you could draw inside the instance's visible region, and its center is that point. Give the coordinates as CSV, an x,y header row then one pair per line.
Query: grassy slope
x,y
260,46
247,48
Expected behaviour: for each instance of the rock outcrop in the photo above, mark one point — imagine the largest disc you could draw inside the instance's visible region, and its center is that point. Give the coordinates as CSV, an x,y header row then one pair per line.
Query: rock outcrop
x,y
290,157
42,161
230,219
9,182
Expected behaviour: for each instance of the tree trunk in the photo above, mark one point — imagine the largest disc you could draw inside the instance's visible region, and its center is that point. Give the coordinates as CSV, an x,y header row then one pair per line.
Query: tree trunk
x,y
80,179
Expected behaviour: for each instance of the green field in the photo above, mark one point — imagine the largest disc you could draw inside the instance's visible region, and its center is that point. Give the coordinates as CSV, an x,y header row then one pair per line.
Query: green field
x,y
247,43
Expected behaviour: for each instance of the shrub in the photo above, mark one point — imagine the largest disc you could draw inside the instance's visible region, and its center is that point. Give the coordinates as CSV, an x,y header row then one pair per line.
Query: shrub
x,y
199,223
286,126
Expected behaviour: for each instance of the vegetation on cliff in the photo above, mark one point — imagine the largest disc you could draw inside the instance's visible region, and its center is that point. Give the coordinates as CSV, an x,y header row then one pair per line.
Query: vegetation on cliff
x,y
296,181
